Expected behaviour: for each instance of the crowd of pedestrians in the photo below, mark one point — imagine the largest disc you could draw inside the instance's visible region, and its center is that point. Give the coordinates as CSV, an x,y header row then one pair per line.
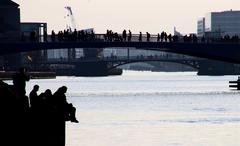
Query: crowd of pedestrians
x,y
37,119
125,36
67,35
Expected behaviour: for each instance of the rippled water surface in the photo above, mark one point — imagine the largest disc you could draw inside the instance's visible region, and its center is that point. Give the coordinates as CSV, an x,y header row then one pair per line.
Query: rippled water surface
x,y
151,109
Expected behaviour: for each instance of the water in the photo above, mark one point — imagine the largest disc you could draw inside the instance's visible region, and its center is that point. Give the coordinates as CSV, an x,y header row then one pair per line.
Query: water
x,y
151,109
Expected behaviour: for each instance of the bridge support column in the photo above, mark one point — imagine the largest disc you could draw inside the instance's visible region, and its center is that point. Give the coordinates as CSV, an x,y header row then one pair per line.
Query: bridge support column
x,y
210,67
95,69
91,69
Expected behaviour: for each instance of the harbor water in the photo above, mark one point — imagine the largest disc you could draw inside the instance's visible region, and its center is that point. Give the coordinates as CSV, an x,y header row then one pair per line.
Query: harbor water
x,y
151,109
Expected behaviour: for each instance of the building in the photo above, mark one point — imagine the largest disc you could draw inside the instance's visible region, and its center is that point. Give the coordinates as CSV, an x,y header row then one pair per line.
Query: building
x,y
217,24
9,31
9,20
38,27
34,57
201,27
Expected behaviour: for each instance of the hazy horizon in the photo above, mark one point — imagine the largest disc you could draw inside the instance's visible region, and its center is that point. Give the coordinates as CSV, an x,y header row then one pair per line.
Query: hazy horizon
x,y
146,15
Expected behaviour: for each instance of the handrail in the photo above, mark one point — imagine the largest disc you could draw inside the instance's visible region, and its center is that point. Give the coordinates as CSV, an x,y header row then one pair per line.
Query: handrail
x,y
117,37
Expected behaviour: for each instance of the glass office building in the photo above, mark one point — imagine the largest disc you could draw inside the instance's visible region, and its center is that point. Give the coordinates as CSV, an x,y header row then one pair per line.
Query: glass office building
x,y
201,27
223,23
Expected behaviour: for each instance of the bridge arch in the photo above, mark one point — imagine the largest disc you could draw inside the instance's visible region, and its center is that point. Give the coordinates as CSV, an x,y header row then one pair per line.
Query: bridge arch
x,y
192,63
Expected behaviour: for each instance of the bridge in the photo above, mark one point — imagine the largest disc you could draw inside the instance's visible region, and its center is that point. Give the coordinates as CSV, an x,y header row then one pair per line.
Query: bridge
x,y
223,51
229,52
115,61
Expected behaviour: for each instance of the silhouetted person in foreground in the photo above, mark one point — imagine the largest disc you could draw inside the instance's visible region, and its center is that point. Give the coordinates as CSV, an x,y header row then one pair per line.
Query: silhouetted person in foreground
x,y
34,99
64,111
21,107
63,106
19,82
9,127
45,120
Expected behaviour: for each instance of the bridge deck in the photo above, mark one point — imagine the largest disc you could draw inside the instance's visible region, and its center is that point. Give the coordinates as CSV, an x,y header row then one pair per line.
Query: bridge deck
x,y
229,52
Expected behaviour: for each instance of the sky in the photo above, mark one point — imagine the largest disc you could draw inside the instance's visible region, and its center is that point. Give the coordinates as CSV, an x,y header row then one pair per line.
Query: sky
x,y
151,16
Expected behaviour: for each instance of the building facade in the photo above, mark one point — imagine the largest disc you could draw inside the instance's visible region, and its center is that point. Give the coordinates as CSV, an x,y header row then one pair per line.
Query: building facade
x,y
9,31
9,20
220,24
201,27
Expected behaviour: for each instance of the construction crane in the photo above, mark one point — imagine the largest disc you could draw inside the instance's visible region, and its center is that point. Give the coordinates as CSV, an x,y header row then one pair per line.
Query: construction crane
x,y
71,26
71,23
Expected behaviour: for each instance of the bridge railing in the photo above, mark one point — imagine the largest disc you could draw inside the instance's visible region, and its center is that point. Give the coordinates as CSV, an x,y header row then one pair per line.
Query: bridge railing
x,y
144,38
103,38
119,37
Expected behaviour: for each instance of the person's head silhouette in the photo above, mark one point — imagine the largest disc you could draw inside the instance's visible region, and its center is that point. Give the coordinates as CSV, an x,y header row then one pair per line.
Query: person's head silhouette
x,y
36,87
64,89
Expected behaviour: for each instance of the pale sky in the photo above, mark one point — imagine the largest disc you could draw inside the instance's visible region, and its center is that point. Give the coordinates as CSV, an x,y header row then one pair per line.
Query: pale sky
x,y
138,15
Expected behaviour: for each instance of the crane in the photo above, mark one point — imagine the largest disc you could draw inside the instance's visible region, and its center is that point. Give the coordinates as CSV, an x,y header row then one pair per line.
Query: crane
x,y
70,18
71,26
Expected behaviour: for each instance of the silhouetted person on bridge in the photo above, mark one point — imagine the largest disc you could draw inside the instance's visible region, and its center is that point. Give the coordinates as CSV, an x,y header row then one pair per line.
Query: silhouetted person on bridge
x,y
75,35
92,35
129,35
124,35
33,36
109,35
170,38
148,36
60,36
53,36
158,37
162,36
175,38
45,36
165,37
194,38
140,37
